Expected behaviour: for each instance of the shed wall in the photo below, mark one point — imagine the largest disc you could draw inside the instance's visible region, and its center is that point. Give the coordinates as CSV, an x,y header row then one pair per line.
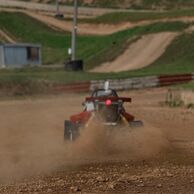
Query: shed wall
x,y
17,57
2,58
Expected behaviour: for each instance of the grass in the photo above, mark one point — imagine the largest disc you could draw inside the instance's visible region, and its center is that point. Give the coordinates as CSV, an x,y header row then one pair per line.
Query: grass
x,y
61,76
189,86
172,4
2,39
118,17
177,58
135,4
93,49
58,75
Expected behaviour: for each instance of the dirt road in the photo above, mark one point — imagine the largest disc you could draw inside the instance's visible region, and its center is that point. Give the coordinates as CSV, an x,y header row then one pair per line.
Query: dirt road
x,y
89,28
52,8
34,158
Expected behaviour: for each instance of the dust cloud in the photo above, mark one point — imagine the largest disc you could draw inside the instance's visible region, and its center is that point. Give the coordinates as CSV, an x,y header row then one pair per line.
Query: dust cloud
x,y
31,139
29,152
102,143
34,151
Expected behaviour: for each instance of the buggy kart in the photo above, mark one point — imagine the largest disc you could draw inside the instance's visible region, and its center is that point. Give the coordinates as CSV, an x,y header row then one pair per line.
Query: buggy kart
x,y
104,106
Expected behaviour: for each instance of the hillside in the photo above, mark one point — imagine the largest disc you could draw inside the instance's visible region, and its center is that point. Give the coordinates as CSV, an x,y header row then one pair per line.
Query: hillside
x,y
93,49
134,4
112,22
110,38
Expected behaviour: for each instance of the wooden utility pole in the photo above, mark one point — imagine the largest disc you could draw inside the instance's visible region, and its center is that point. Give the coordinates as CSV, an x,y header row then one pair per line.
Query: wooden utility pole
x,y
57,7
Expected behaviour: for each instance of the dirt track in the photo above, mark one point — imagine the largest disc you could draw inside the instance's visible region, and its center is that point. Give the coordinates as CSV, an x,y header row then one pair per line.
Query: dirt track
x,y
135,57
98,29
139,54
52,8
131,59
34,158
89,28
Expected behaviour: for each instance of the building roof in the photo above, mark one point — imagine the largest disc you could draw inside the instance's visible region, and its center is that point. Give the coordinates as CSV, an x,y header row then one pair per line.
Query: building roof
x,y
20,45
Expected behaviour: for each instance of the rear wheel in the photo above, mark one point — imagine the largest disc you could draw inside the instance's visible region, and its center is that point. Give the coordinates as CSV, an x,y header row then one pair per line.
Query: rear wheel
x,y
71,131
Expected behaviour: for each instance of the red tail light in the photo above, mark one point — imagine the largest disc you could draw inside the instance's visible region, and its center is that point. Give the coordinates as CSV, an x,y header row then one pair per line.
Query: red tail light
x,y
108,102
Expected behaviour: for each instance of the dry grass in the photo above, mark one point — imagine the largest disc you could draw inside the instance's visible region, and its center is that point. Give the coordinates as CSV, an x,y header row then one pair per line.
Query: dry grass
x,y
178,97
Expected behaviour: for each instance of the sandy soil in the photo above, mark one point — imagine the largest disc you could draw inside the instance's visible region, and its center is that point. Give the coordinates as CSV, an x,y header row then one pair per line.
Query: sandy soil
x,y
139,54
154,159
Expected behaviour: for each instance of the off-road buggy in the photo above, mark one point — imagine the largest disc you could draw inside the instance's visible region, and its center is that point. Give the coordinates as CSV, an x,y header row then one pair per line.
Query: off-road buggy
x,y
103,106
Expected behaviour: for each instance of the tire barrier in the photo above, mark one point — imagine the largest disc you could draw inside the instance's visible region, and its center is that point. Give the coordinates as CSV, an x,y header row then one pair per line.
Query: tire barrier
x,y
126,84
174,79
74,87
